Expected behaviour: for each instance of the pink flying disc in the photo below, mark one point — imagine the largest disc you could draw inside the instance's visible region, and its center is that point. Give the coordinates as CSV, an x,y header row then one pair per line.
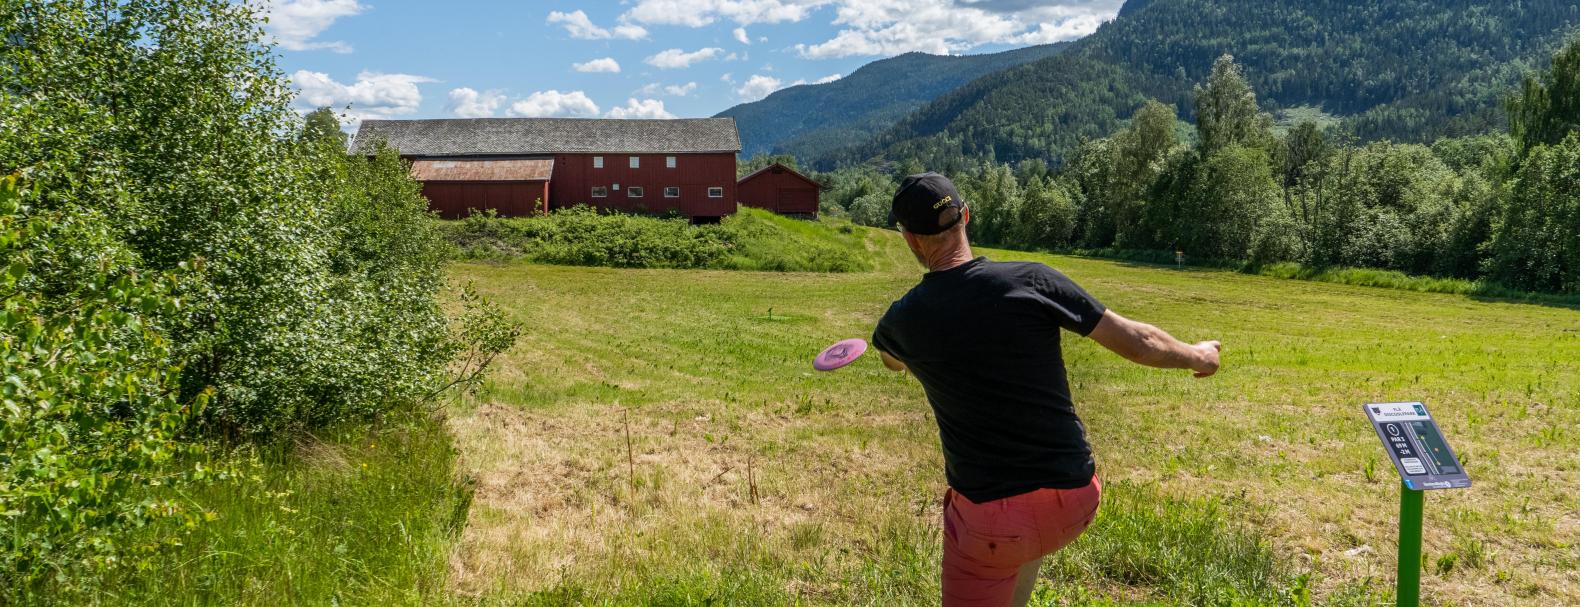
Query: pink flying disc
x,y
840,354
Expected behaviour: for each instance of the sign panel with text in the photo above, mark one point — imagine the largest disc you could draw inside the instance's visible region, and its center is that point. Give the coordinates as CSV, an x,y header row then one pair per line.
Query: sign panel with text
x,y
1416,445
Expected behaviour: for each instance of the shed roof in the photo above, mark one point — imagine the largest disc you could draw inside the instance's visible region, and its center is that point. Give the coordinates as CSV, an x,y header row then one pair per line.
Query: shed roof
x,y
527,136
537,169
779,169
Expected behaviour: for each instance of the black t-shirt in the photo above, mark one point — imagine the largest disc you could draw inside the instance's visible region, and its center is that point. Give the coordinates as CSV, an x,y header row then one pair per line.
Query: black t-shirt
x,y
983,338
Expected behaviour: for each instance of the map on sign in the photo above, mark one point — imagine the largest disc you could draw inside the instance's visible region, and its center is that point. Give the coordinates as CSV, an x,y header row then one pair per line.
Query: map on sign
x,y
1417,446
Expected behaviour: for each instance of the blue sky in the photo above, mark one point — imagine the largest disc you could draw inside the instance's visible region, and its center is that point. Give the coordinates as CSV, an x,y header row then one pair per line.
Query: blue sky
x,y
624,59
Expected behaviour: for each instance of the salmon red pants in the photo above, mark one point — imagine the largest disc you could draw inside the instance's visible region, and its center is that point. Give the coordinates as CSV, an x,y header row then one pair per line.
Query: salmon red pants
x,y
985,544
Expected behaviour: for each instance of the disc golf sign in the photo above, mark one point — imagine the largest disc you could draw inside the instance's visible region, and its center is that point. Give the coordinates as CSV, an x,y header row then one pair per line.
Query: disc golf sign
x,y
1416,445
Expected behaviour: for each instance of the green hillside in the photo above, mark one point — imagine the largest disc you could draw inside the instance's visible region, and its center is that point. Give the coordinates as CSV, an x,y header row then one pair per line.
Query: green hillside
x,y
1409,71
811,118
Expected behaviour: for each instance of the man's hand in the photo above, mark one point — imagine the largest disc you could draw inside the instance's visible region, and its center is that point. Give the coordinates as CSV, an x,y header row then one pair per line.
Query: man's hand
x,y
1207,354
1148,345
894,364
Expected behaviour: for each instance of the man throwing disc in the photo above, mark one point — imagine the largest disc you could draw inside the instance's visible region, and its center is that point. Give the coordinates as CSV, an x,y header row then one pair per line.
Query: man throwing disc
x,y
983,338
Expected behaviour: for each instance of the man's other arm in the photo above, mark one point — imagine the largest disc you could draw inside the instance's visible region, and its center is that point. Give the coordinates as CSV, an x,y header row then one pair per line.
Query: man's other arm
x,y
1145,344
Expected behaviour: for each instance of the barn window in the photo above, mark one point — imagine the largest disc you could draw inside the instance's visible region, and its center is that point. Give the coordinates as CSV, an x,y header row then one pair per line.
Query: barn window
x,y
633,192
672,192
600,192
597,162
669,162
715,192
636,162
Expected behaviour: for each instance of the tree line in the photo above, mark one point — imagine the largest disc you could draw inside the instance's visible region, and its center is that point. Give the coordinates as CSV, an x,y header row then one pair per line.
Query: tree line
x,y
1499,207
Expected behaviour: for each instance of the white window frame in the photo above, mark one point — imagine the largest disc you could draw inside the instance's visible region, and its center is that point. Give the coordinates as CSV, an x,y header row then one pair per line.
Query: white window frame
x,y
674,188
636,162
634,191
597,162
719,189
597,189
669,162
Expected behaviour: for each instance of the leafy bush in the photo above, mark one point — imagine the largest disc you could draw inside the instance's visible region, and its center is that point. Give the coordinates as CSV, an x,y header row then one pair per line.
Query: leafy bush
x,y
751,239
187,261
169,119
91,415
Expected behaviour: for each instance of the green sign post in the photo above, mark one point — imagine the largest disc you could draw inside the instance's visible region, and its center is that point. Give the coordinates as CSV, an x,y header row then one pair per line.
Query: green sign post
x,y
1424,461
1411,502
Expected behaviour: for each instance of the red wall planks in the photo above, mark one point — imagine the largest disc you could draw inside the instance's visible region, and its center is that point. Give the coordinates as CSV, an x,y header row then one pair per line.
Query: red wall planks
x,y
575,176
781,190
455,199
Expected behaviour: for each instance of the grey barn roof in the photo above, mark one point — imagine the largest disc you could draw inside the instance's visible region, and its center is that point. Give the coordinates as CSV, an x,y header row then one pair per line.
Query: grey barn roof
x,y
527,136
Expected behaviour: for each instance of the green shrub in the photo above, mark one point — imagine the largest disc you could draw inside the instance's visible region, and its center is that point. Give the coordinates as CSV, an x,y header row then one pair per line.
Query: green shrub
x,y
169,120
751,239
187,262
90,416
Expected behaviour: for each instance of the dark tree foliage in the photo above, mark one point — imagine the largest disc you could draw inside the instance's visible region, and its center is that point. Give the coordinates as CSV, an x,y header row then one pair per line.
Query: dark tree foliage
x,y
1547,108
1536,244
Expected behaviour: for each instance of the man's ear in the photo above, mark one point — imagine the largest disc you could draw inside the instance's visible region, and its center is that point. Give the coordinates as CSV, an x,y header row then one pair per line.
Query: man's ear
x,y
910,239
965,216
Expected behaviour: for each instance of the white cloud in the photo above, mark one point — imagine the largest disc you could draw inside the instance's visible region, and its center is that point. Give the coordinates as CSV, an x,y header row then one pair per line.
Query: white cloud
x,y
1069,29
468,103
727,77
675,58
606,64
673,90
740,36
578,25
892,27
697,13
373,95
827,79
646,108
758,86
293,24
554,104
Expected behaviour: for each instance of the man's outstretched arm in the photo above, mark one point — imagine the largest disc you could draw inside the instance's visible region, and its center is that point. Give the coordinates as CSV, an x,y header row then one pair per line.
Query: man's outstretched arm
x,y
1145,344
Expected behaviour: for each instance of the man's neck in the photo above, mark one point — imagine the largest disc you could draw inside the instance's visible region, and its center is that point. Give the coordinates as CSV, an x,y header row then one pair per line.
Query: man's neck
x,y
957,257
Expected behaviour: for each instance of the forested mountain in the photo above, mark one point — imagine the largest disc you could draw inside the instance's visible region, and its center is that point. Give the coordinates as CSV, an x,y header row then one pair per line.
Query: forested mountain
x,y
1406,70
811,119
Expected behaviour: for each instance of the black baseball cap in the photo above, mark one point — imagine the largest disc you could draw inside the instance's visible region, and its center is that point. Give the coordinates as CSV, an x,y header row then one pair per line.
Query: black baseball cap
x,y
927,203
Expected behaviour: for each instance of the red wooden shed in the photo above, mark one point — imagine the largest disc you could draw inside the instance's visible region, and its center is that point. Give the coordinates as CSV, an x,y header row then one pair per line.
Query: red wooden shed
x,y
511,187
518,166
780,189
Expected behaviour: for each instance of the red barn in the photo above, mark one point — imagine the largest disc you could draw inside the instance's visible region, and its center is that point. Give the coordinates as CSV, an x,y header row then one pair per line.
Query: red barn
x,y
521,165
780,189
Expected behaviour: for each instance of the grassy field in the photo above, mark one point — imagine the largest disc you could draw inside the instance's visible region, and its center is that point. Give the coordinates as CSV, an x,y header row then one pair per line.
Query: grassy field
x,y
659,438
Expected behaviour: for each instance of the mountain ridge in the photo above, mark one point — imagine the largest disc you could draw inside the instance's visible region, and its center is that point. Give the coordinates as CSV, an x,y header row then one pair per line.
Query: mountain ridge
x,y
805,117
1408,70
